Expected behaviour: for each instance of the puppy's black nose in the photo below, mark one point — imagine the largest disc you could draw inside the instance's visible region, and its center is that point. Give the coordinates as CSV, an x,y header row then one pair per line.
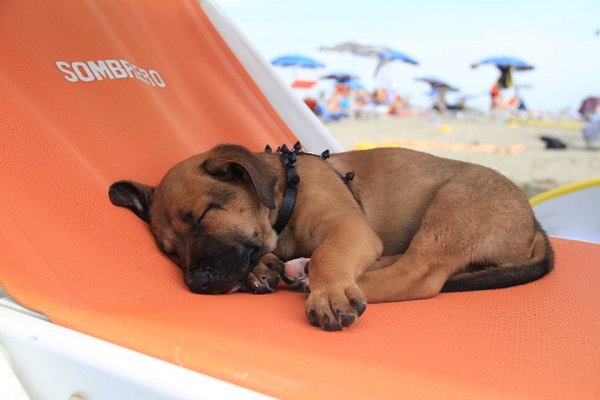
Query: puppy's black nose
x,y
198,281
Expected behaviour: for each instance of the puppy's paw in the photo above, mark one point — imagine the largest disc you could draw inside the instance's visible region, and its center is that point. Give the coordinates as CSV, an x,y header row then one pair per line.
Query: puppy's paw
x,y
261,280
335,308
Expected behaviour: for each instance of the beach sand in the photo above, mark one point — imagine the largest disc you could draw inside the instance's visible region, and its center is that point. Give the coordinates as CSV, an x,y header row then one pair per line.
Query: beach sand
x,y
513,148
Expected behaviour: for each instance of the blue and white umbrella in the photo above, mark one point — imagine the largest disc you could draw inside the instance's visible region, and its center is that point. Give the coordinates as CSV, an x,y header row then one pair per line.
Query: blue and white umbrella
x,y
297,61
388,55
505,62
384,54
393,55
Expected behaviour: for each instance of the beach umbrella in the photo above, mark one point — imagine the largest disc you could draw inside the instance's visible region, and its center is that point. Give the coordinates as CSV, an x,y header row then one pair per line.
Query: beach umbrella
x,y
380,52
589,106
394,55
296,60
383,54
355,48
389,55
340,76
505,64
437,83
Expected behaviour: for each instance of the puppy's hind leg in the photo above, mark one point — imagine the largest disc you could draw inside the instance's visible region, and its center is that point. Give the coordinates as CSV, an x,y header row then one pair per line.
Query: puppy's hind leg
x,y
417,274
510,247
442,246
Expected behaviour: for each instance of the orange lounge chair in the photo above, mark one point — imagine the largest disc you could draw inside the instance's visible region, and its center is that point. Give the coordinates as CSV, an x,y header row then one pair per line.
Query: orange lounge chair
x,y
97,91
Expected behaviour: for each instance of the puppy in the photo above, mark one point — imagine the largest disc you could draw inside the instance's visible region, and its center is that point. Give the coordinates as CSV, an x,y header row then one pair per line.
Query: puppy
x,y
379,225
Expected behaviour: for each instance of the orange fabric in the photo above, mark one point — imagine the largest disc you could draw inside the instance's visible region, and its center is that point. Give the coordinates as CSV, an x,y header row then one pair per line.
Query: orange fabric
x,y
67,252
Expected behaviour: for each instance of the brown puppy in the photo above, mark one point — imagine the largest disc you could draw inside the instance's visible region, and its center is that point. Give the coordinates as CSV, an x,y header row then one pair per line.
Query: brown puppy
x,y
407,226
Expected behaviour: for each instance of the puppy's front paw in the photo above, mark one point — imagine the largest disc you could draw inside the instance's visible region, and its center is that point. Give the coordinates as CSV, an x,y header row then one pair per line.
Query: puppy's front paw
x,y
261,280
335,308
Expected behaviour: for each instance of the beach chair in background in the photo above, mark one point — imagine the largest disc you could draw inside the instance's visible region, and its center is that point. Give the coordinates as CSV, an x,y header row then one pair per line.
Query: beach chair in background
x,y
571,211
101,90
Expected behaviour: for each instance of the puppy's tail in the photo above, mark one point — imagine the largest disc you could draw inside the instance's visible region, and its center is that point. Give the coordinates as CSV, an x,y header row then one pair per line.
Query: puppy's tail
x,y
502,276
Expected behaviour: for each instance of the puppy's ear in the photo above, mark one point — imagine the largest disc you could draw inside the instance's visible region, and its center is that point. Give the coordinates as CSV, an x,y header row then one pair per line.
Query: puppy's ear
x,y
236,162
135,196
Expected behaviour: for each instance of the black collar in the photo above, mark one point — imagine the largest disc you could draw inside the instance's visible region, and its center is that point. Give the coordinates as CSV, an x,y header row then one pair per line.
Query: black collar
x,y
288,158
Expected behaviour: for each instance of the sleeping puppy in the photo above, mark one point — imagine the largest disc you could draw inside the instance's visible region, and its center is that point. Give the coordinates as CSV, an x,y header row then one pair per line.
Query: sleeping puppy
x,y
379,225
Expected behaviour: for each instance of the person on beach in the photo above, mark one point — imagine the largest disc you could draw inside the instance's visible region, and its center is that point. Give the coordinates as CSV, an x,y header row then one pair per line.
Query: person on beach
x,y
496,98
591,130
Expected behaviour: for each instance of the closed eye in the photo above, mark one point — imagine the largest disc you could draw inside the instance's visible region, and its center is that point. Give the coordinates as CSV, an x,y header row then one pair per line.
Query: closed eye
x,y
201,219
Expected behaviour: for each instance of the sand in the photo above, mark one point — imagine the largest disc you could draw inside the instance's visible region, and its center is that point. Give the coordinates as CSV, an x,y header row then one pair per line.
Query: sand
x,y
513,148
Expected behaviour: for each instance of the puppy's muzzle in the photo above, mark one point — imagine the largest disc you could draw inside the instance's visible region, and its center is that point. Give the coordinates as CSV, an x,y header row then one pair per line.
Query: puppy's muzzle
x,y
198,281
223,272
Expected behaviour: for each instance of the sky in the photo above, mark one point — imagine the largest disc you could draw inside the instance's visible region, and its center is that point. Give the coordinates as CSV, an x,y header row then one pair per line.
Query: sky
x,y
558,37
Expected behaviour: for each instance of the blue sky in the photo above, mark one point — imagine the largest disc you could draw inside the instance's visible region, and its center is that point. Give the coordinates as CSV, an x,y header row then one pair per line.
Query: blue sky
x,y
558,37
